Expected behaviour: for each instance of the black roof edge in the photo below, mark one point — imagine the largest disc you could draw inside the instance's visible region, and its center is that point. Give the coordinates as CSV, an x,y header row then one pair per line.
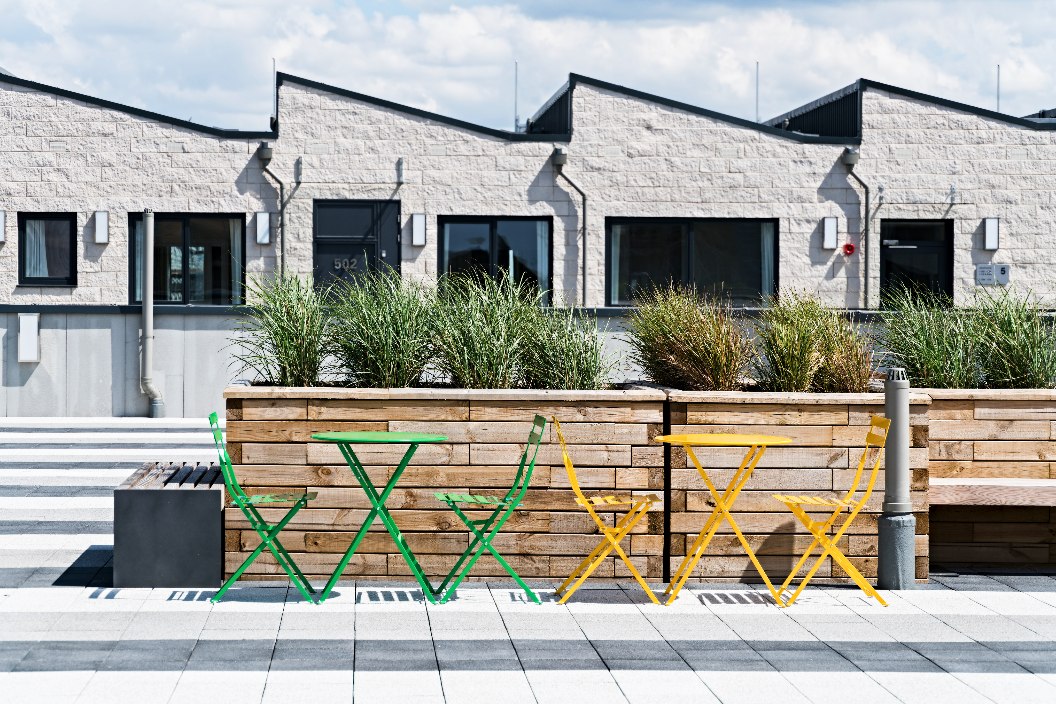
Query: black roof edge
x,y
138,112
954,105
281,78
575,78
1035,121
814,104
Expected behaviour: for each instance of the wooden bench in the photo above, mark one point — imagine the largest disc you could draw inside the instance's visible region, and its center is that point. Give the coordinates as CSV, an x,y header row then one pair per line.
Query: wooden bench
x,y
169,527
992,492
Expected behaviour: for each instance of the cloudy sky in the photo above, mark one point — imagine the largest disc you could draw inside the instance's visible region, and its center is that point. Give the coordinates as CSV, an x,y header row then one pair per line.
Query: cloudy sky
x,y
211,61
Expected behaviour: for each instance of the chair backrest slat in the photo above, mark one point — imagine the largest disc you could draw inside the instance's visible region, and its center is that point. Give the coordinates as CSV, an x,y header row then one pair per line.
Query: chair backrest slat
x,y
527,465
571,470
875,439
226,469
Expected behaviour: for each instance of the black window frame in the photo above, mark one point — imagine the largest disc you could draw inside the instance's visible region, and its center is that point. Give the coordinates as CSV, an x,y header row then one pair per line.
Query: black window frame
x,y
947,249
378,239
688,252
186,218
47,281
493,222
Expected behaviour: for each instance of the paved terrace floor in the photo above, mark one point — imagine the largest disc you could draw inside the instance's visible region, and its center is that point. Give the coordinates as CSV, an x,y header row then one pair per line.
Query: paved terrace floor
x,y
963,639
67,636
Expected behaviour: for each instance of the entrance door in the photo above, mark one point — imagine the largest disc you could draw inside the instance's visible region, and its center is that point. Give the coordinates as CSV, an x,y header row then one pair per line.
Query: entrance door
x,y
352,236
917,254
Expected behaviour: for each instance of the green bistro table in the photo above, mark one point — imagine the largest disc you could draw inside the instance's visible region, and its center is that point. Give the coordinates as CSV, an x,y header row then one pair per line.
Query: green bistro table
x,y
377,501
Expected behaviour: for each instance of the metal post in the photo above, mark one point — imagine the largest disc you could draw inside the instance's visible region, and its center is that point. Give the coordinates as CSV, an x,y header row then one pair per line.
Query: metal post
x,y
157,405
897,525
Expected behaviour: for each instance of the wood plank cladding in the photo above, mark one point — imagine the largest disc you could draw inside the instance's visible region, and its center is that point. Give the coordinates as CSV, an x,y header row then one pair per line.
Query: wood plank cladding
x,y
998,448
828,435
610,435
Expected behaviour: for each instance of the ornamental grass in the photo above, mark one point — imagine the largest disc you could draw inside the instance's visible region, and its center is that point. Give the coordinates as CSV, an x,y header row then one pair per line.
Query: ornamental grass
x,y
683,340
281,338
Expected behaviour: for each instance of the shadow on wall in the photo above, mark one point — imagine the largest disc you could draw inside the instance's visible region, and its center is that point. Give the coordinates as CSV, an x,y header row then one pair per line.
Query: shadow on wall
x,y
838,187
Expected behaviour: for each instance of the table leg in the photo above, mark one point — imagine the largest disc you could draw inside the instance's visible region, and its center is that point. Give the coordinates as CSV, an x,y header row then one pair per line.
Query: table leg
x,y
723,506
704,537
378,510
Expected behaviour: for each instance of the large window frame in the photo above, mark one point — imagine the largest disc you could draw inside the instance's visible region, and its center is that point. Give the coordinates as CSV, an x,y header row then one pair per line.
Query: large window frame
x,y
688,249
185,220
69,281
493,221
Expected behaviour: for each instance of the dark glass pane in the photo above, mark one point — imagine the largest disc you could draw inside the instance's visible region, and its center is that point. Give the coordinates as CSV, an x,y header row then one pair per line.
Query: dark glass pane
x,y
214,261
920,231
343,260
916,255
733,259
917,268
344,220
645,255
466,247
523,248
46,250
168,260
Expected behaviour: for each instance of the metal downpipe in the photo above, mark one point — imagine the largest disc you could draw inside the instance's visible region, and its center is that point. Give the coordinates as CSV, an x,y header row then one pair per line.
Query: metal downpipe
x,y
146,380
561,173
282,220
865,240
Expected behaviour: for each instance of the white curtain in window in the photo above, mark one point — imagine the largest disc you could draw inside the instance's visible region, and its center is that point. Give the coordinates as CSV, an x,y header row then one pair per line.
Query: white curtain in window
x,y
235,228
137,266
36,249
542,252
766,240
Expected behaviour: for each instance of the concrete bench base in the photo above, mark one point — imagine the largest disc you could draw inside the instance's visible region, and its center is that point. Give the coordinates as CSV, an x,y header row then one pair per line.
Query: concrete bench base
x,y
168,527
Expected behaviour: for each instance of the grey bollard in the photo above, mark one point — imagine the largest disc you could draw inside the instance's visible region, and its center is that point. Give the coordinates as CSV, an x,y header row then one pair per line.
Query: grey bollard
x,y
897,526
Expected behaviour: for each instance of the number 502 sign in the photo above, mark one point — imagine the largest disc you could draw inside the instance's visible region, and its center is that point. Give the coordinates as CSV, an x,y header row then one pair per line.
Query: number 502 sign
x,y
346,264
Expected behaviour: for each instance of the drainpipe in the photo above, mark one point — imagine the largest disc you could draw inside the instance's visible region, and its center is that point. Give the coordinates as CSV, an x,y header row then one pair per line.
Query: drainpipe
x,y
558,159
264,154
850,158
146,380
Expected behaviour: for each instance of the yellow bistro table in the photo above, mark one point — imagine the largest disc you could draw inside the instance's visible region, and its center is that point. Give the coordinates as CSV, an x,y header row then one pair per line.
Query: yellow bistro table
x,y
756,445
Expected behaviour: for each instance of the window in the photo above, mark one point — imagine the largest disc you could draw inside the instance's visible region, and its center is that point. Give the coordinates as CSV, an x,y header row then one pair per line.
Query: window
x,y
731,259
490,246
917,254
197,258
47,249
353,236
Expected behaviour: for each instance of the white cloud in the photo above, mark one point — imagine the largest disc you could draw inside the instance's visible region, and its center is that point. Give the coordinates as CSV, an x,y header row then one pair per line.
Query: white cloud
x,y
212,61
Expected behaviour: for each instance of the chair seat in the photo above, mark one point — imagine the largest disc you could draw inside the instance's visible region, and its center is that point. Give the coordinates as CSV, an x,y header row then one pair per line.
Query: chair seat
x,y
276,498
618,500
470,499
809,501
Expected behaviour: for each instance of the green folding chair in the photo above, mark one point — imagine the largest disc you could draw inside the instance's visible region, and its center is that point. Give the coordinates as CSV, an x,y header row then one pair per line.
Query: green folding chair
x,y
269,534
485,529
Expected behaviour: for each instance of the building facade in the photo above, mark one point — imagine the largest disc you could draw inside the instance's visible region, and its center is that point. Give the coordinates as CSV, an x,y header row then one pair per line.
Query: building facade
x,y
607,191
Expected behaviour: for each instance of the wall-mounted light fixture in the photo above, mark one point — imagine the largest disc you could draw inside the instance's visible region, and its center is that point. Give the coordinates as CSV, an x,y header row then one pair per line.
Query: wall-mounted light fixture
x,y
418,229
400,180
102,227
991,233
29,337
263,228
3,226
829,232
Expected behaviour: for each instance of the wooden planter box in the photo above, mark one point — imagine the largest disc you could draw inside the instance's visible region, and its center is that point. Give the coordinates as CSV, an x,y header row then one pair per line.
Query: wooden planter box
x,y
828,432
994,435
610,432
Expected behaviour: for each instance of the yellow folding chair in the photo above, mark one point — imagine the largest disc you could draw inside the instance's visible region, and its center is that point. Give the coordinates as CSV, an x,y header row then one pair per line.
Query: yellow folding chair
x,y
874,440
611,536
